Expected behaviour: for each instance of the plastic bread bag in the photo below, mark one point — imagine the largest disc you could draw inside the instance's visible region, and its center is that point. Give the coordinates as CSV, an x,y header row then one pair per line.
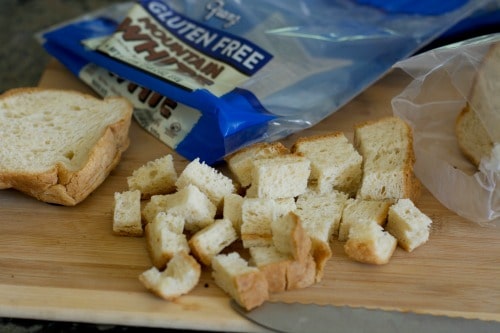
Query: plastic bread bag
x,y
208,77
441,85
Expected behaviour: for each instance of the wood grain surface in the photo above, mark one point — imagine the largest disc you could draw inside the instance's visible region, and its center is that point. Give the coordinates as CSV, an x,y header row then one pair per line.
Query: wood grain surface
x,y
64,263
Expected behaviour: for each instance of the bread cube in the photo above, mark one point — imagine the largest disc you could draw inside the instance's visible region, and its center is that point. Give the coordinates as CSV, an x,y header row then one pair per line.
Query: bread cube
x,y
180,277
257,216
335,164
247,285
232,210
240,163
282,176
408,224
362,211
154,177
369,243
209,180
274,265
127,214
211,240
289,237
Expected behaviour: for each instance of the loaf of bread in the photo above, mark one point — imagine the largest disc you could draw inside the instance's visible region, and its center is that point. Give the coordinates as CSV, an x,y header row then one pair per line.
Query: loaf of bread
x,y
155,177
386,145
58,145
335,164
127,213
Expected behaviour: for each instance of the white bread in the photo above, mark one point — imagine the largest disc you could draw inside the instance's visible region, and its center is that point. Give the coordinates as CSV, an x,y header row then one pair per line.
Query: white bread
x,y
369,243
247,285
240,163
127,214
472,137
362,211
408,224
59,145
301,274
281,176
163,240
257,216
232,210
209,180
321,213
386,145
180,277
335,164
274,264
472,134
154,177
211,240
189,202
289,237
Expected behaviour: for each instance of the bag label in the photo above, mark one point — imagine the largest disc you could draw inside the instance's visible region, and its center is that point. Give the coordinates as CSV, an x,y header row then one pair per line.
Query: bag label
x,y
182,51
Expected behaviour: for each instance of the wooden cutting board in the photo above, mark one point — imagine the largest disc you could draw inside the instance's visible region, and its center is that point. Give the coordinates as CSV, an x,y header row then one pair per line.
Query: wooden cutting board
x,y
64,263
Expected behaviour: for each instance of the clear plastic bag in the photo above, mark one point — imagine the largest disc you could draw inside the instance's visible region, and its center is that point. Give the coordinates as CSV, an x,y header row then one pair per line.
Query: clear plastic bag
x,y
318,56
442,80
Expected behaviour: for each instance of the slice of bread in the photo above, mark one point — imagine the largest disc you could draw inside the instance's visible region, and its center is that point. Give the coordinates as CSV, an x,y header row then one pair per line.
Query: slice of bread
x,y
370,244
209,180
127,214
481,115
386,145
211,240
247,285
408,224
154,177
180,277
281,176
59,145
362,211
335,164
472,138
240,163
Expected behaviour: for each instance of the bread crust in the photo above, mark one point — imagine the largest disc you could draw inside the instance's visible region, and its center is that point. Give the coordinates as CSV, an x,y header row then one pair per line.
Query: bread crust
x,y
60,185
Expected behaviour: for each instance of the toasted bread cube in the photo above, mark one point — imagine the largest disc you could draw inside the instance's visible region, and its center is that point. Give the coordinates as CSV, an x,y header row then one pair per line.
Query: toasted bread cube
x,y
247,285
211,240
180,277
301,274
257,216
408,224
127,214
154,177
